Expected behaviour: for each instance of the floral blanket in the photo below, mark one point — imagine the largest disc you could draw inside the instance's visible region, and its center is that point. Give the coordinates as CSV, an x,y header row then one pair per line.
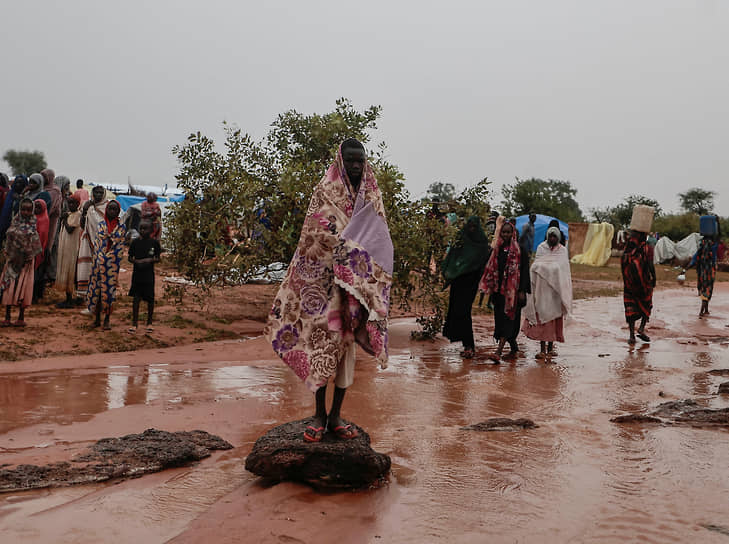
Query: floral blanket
x,y
337,287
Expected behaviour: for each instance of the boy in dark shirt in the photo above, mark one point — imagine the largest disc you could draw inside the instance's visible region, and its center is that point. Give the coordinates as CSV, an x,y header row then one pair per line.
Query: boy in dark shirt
x,y
143,253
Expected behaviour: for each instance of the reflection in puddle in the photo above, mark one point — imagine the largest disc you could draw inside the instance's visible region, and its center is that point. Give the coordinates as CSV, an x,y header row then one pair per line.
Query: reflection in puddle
x,y
77,395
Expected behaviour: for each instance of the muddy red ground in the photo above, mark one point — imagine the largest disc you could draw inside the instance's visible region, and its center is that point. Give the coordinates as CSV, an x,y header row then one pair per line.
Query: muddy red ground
x,y
577,477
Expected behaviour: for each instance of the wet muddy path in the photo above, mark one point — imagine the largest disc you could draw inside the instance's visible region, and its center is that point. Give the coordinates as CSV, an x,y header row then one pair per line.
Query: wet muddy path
x,y
577,477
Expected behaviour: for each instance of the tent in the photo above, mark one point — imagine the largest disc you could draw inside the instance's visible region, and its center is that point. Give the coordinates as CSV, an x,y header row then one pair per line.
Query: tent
x,y
598,245
540,227
127,201
666,249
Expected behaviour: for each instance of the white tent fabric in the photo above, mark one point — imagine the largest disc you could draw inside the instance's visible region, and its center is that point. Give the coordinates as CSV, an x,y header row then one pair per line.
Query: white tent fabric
x,y
666,249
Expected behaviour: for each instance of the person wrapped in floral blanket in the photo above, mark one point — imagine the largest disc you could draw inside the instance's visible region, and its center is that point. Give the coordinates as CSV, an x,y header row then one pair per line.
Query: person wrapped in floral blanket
x,y
337,288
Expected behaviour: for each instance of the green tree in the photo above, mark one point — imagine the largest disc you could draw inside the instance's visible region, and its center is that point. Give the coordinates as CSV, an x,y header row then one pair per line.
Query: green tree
x,y
697,200
621,214
25,162
441,192
228,188
552,197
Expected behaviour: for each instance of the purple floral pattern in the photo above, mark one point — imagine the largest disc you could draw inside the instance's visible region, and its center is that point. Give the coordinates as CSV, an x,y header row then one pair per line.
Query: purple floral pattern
x,y
360,263
332,284
313,299
286,338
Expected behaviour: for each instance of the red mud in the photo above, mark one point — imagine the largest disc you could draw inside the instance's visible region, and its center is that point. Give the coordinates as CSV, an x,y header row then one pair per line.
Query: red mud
x,y
577,477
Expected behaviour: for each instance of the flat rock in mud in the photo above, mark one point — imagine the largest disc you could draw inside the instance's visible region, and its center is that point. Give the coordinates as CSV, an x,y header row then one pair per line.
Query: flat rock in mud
x,y
283,454
501,424
723,388
128,456
680,412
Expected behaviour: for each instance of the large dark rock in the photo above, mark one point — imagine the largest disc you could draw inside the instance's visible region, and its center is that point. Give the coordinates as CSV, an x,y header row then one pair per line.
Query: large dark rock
x,y
129,456
501,424
724,388
283,454
680,412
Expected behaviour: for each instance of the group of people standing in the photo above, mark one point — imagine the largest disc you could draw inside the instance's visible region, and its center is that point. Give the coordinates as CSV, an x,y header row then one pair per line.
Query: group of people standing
x,y
543,287
503,270
72,241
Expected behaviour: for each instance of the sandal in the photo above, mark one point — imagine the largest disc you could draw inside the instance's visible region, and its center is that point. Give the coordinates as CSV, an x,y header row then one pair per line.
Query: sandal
x,y
345,432
19,323
5,323
313,434
467,354
643,336
132,330
495,358
150,328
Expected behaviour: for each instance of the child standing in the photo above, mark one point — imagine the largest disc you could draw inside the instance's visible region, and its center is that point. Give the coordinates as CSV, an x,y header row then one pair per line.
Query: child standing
x,y
22,244
143,253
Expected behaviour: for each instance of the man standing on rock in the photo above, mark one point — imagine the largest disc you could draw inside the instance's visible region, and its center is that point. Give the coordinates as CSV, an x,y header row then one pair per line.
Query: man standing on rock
x,y
337,288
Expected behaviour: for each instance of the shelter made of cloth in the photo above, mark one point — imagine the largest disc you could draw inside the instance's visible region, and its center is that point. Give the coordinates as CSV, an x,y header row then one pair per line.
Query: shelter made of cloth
x,y
598,245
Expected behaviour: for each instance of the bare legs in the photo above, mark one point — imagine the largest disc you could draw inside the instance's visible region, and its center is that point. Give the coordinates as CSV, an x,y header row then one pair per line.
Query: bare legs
x,y
333,421
135,311
704,308
21,316
641,330
97,321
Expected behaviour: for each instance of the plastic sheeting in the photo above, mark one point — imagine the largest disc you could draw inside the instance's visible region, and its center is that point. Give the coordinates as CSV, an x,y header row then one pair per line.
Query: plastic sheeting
x,y
598,245
666,249
540,227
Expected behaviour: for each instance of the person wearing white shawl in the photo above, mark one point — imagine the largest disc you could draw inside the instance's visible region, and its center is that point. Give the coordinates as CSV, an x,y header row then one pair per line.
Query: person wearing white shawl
x,y
551,296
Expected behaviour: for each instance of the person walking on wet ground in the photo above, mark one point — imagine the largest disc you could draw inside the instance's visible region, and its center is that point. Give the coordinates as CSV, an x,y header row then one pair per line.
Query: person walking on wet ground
x,y
506,277
337,288
639,280
551,296
144,252
462,269
705,261
108,245
22,245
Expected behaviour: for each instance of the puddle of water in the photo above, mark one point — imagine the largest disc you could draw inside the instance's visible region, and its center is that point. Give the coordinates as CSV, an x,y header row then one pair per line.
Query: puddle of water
x,y
68,396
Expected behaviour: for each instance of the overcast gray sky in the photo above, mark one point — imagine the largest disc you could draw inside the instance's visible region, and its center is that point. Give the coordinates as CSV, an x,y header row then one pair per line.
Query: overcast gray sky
x,y
616,96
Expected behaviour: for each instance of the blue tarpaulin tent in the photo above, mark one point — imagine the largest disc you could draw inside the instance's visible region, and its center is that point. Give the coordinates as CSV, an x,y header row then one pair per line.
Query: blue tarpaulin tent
x,y
127,201
540,227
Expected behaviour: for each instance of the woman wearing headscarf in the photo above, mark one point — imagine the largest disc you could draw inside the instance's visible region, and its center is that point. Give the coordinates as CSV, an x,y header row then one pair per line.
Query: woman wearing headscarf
x,y
507,278
57,187
13,196
153,213
108,246
462,269
639,279
4,188
22,244
705,260
69,239
92,214
42,226
36,188
551,296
